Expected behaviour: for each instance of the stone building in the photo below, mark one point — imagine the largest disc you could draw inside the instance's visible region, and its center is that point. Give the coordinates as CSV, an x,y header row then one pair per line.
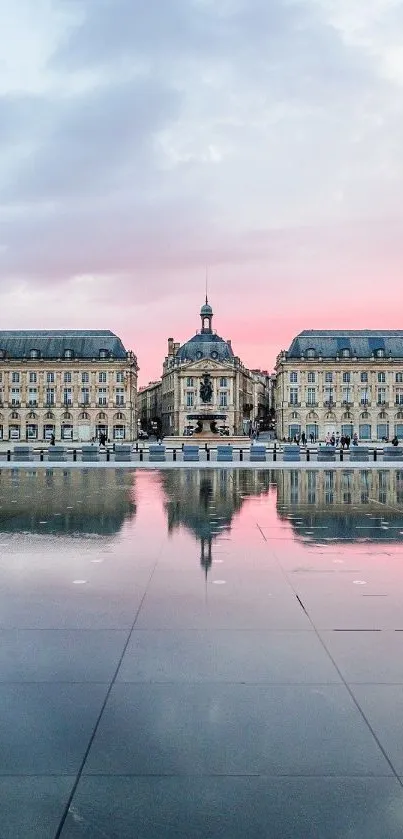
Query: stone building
x,y
342,383
206,354
149,408
73,384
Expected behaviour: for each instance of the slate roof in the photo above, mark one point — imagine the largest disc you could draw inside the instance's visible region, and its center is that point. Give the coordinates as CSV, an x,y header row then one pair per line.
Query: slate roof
x,y
362,343
205,345
53,343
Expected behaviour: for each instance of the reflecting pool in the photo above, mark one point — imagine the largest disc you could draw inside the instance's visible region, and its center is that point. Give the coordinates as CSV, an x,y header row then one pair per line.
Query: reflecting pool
x,y
193,653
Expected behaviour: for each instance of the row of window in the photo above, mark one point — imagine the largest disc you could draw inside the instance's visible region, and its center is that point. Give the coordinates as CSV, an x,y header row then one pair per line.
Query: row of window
x,y
365,430
16,377
68,354
50,396
345,352
223,381
347,376
35,432
347,395
190,399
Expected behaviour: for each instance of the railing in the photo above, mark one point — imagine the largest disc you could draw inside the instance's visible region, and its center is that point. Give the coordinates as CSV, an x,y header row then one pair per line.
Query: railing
x,y
329,403
294,404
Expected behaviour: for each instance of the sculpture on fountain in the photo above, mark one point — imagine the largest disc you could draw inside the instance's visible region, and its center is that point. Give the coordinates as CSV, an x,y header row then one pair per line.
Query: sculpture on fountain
x,y
206,389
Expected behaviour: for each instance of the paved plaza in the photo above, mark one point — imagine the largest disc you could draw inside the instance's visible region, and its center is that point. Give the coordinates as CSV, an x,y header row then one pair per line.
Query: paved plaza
x,y
195,652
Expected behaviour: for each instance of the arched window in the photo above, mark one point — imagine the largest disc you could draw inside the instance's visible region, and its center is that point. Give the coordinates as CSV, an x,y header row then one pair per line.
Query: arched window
x,y
34,353
104,353
68,353
380,353
311,353
345,352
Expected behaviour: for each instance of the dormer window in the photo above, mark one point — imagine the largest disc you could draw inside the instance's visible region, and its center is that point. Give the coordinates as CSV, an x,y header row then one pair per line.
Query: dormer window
x,y
34,353
380,353
345,353
68,353
103,354
2,353
311,353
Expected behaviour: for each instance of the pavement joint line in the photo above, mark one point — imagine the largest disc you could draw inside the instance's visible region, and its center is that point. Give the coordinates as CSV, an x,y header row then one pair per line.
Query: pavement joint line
x,y
288,579
104,704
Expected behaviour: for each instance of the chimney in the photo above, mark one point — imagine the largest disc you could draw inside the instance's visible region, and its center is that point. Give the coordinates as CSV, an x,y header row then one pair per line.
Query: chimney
x,y
176,346
170,346
229,344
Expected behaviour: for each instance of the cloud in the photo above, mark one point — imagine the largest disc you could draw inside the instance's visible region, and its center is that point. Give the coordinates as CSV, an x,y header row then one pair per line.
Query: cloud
x,y
86,142
143,140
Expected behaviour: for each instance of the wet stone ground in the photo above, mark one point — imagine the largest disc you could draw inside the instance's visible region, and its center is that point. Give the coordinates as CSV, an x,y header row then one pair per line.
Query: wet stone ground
x,y
192,655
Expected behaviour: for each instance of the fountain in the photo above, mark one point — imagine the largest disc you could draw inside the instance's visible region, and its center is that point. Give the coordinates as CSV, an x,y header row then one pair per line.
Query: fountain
x,y
206,419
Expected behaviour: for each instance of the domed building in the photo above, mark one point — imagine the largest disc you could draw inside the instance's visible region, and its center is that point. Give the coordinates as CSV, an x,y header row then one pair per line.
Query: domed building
x,y
204,388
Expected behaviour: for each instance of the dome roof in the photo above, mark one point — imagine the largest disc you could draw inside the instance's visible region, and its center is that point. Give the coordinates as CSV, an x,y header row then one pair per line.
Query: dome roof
x,y
206,309
205,345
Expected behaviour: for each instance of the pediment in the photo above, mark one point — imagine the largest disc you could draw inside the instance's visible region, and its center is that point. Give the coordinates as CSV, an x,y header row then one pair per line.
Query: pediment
x,y
206,365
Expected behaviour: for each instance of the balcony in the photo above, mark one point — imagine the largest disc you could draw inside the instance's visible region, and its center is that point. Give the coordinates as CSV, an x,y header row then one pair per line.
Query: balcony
x,y
381,403
347,403
365,403
15,403
329,403
311,404
102,403
32,403
294,404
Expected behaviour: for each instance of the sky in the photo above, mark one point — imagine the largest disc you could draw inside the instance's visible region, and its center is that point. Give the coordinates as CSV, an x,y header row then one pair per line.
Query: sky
x,y
143,140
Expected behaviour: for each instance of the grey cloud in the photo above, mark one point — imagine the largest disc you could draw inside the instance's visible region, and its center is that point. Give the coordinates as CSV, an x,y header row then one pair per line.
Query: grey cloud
x,y
87,140
286,46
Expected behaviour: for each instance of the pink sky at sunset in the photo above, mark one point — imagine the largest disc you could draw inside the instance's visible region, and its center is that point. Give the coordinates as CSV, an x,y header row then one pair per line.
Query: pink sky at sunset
x,y
143,141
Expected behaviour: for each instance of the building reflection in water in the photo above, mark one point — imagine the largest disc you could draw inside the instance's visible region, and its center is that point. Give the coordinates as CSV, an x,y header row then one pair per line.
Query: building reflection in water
x,y
349,504
66,502
205,502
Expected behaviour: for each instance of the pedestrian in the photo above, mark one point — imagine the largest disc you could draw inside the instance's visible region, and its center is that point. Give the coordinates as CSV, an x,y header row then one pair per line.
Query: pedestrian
x,y
395,441
348,441
342,441
303,438
332,440
52,439
312,437
337,440
355,439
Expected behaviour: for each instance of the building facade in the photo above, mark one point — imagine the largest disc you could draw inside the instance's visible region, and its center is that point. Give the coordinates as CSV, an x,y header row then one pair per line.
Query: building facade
x,y
233,386
74,385
333,382
149,408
